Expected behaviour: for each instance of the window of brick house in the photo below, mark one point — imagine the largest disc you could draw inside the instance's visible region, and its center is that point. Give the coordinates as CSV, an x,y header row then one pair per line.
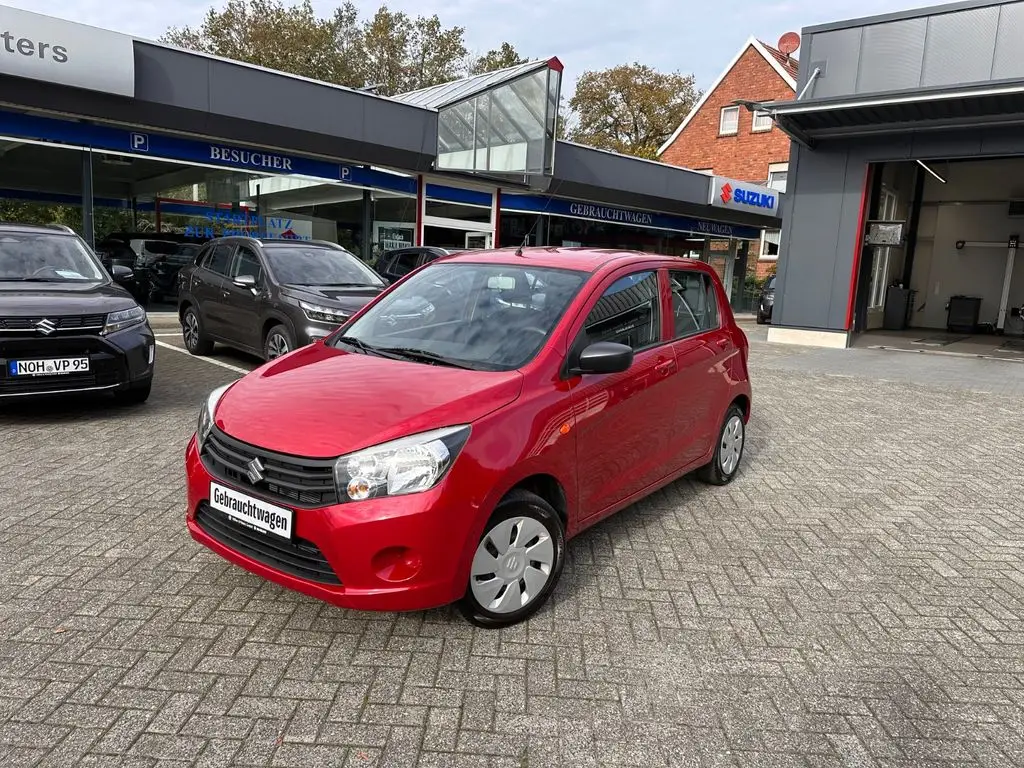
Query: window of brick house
x,y
729,121
762,122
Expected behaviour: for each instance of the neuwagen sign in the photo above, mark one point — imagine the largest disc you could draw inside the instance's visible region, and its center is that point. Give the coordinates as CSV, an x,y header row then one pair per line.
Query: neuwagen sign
x,y
41,47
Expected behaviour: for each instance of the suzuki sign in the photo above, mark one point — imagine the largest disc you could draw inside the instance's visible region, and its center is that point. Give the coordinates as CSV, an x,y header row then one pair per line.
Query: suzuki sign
x,y
43,48
740,196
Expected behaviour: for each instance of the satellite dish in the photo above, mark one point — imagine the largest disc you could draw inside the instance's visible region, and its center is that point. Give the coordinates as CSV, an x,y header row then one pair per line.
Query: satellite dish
x,y
789,42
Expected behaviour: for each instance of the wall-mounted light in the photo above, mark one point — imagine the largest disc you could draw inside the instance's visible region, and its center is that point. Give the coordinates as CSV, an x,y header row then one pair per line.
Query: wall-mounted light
x,y
933,173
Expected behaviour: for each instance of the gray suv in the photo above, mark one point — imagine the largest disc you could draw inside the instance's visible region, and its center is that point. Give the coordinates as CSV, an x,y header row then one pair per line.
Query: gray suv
x,y
269,297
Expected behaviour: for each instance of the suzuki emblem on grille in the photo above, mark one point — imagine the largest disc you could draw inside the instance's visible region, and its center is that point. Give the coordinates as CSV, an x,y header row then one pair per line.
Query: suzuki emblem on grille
x,y
254,469
46,327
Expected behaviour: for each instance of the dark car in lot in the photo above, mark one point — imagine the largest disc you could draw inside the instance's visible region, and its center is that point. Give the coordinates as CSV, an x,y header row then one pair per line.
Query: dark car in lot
x,y
395,264
65,324
268,297
766,302
164,268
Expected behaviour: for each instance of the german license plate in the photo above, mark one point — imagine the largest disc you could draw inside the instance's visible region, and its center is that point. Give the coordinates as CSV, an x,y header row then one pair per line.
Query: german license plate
x,y
250,512
52,367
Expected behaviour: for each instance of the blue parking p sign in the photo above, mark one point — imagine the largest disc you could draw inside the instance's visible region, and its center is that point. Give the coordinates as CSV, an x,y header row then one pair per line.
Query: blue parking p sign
x,y
140,142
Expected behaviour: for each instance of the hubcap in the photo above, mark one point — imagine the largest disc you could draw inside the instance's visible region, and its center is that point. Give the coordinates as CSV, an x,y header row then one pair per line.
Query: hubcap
x,y
277,345
191,330
512,564
732,445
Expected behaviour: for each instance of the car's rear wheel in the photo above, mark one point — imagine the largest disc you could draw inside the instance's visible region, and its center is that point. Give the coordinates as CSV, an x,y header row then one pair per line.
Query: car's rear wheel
x,y
517,562
192,332
278,342
725,462
760,319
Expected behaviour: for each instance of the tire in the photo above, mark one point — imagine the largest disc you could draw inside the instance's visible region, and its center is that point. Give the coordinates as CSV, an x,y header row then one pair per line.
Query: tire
x,y
196,341
529,518
277,336
728,455
136,395
760,319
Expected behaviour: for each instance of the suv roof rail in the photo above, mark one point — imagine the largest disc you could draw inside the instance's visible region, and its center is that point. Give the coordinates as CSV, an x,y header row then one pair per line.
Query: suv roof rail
x,y
60,227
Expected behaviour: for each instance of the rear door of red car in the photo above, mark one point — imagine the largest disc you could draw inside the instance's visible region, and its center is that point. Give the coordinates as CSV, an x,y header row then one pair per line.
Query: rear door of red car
x,y
702,347
623,438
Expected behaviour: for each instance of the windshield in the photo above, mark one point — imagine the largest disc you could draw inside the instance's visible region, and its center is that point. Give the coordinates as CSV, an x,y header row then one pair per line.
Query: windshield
x,y
481,316
47,258
299,265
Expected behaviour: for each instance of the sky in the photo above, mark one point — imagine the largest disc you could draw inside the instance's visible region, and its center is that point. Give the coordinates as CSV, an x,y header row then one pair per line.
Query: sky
x,y
688,36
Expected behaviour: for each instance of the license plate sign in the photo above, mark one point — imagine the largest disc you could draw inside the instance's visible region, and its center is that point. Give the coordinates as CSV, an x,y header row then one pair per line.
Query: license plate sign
x,y
252,513
51,367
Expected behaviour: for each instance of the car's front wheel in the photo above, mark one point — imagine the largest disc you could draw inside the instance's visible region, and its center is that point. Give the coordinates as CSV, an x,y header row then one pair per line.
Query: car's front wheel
x,y
725,462
278,342
517,562
192,332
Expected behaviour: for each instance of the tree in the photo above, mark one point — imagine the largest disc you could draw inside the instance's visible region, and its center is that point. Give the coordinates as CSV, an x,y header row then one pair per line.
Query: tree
x,y
287,38
497,58
631,108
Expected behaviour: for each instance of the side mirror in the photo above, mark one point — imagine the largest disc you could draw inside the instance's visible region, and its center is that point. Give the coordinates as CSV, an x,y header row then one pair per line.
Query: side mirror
x,y
121,273
604,357
246,281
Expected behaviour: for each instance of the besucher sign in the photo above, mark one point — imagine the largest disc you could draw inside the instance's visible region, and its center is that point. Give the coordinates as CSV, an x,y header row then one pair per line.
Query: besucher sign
x,y
741,196
44,48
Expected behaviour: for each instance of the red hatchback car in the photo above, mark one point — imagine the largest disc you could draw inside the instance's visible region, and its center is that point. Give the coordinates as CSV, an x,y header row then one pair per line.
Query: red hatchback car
x,y
445,442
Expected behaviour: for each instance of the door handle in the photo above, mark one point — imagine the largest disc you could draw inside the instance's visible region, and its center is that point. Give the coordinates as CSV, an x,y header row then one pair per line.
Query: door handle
x,y
665,368
721,343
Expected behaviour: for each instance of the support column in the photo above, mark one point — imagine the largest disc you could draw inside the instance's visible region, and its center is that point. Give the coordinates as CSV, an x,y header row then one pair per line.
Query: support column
x,y
421,208
542,229
367,226
496,218
88,217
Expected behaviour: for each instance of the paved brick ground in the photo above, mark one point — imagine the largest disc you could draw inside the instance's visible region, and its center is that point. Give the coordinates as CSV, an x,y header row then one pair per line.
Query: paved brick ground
x,y
855,598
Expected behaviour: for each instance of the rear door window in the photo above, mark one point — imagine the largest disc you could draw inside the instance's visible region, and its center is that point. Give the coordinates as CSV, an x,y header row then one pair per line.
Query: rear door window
x,y
694,309
218,259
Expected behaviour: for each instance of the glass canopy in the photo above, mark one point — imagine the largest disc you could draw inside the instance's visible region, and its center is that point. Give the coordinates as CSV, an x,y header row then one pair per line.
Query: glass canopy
x,y
497,123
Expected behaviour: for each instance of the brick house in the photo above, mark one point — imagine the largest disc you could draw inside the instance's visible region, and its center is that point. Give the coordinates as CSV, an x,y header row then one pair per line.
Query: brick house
x,y
718,137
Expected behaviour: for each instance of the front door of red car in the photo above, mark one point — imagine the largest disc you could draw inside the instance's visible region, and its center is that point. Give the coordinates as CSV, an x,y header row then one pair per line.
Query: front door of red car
x,y
701,347
622,436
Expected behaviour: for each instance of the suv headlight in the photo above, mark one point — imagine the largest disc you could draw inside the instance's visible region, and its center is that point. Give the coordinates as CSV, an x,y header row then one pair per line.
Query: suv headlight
x,y
408,465
125,318
205,425
324,314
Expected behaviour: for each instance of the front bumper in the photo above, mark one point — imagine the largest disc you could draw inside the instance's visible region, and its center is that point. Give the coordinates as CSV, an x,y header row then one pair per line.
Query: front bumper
x,y
313,331
116,362
392,554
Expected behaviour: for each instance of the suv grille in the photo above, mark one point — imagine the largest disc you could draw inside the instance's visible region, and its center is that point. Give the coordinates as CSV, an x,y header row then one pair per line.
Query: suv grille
x,y
297,557
79,323
294,480
106,368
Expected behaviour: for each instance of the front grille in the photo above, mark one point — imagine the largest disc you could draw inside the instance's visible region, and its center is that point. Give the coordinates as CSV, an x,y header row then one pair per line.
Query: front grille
x,y
294,480
66,323
297,557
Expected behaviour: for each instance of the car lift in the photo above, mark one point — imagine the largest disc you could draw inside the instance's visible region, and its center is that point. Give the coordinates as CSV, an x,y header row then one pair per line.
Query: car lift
x,y
1011,251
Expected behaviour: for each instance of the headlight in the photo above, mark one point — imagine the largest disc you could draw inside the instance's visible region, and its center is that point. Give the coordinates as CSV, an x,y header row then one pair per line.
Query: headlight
x,y
323,314
205,425
125,318
409,465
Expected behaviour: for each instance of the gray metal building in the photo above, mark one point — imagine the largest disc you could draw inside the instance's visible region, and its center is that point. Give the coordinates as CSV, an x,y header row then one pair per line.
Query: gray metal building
x,y
906,175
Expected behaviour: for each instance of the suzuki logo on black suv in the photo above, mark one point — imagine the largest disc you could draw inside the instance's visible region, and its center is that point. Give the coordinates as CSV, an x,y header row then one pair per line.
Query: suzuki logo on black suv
x,y
46,327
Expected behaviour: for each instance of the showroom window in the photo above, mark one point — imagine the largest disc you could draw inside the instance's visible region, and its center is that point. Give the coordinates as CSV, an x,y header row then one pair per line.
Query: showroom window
x,y
762,122
729,121
770,239
628,312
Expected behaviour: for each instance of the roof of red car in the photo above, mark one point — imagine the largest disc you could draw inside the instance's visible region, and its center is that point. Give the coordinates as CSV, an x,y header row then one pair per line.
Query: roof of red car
x,y
580,259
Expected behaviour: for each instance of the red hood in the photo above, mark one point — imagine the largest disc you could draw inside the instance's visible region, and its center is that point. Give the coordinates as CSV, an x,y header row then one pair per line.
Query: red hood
x,y
323,402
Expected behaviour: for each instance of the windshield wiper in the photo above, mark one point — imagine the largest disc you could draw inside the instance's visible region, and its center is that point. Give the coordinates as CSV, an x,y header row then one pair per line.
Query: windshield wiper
x,y
35,280
362,346
425,356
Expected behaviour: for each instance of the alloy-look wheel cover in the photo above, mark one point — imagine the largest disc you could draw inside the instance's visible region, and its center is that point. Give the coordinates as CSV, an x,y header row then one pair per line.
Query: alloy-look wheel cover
x,y
277,345
512,565
731,448
191,330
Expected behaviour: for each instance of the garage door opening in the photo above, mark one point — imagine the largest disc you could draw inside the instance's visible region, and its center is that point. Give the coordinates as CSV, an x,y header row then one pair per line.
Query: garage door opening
x,y
939,269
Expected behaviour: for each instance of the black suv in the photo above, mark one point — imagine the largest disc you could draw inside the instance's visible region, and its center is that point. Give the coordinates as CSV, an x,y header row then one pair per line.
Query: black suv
x,y
269,297
766,302
65,325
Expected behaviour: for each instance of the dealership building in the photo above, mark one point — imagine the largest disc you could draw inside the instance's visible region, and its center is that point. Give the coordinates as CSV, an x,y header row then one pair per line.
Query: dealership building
x,y
906,187
106,132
